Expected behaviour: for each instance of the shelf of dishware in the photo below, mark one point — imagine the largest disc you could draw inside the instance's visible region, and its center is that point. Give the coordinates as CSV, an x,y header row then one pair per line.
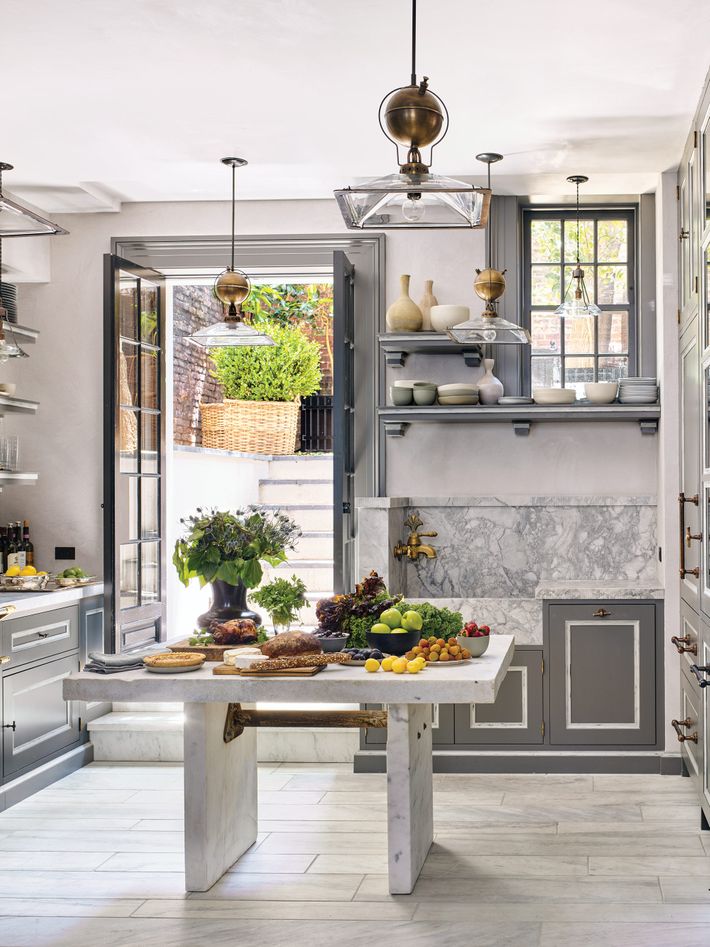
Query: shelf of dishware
x,y
23,334
396,420
17,476
11,405
396,346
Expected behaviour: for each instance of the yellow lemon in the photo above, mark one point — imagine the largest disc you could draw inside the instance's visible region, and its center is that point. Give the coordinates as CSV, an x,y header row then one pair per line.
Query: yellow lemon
x,y
400,665
421,662
13,571
41,573
28,570
387,663
372,665
413,667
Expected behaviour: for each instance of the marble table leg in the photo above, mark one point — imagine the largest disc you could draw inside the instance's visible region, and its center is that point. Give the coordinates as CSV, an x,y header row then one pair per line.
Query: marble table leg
x,y
220,795
410,801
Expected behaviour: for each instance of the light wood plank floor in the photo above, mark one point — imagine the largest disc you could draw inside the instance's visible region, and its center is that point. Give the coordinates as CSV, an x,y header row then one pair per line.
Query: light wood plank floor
x,y
530,861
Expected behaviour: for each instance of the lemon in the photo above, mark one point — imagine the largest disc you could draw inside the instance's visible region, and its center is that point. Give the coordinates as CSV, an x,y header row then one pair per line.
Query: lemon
x,y
387,663
372,665
13,571
413,667
400,665
41,573
421,662
28,570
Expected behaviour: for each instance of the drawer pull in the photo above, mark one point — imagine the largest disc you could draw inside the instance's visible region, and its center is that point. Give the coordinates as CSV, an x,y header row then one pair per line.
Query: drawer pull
x,y
41,634
685,535
10,726
683,737
601,613
698,670
681,643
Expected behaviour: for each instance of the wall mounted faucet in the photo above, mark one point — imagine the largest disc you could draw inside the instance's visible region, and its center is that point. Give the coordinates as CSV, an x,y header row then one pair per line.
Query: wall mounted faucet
x,y
414,547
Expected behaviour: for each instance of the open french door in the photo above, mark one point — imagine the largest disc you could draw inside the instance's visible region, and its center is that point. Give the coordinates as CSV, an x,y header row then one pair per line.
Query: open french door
x,y
343,422
134,455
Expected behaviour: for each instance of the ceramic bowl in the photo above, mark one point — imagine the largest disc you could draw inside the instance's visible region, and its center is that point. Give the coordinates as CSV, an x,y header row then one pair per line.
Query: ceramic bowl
x,y
458,399
394,644
424,396
444,317
554,395
410,383
457,389
400,396
601,392
477,646
331,645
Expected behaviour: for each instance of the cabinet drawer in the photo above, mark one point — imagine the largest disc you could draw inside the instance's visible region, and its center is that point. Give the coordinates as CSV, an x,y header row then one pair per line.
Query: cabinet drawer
x,y
34,637
691,725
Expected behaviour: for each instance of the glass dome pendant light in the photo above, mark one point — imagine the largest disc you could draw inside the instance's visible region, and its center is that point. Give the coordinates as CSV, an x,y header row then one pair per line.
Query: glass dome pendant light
x,y
579,306
489,327
416,118
232,287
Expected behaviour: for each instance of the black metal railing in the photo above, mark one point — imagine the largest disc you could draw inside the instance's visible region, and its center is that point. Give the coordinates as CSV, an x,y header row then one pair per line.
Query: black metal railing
x,y
317,423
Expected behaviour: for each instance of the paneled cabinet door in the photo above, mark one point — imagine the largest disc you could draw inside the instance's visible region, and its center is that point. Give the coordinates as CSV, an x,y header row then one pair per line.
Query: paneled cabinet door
x,y
690,727
602,674
688,234
517,714
689,509
37,720
442,722
92,637
704,661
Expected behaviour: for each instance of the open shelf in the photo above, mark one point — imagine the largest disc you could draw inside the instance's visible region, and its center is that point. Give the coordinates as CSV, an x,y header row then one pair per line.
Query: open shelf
x,y
396,420
23,334
16,476
10,405
398,345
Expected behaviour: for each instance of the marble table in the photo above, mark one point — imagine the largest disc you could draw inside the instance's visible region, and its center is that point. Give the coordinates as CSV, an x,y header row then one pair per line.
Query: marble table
x,y
221,778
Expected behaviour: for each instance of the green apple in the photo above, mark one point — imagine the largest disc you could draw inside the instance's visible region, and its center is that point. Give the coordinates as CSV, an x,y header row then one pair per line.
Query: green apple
x,y
412,621
380,629
392,617
400,631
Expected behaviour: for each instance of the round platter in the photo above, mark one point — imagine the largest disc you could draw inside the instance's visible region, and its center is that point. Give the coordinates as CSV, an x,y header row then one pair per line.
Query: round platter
x,y
448,664
173,670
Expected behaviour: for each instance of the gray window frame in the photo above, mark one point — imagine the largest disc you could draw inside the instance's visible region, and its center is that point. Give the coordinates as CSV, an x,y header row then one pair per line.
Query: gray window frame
x,y
626,211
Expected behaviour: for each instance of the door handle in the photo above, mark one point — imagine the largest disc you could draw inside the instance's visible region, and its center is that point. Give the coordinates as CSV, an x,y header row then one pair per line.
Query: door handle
x,y
681,642
601,613
682,737
684,234
686,536
10,726
698,670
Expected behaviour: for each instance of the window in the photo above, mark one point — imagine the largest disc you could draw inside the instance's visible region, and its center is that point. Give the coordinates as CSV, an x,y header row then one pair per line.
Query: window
x,y
568,353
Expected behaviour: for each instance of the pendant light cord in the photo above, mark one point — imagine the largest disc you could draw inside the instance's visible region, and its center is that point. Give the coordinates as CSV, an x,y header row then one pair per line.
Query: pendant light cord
x,y
489,232
234,202
578,224
414,42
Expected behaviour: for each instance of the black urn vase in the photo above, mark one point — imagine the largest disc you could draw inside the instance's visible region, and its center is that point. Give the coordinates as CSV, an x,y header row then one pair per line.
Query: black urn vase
x,y
228,602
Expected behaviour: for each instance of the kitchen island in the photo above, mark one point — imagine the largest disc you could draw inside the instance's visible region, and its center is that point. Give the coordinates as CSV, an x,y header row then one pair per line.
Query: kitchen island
x,y
221,777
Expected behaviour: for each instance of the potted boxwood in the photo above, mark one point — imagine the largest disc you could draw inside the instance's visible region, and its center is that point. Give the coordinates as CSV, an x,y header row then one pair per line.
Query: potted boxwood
x,y
283,599
263,386
226,550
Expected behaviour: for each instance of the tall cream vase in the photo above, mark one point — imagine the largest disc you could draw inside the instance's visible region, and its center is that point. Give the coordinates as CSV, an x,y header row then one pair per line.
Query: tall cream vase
x,y
404,315
427,301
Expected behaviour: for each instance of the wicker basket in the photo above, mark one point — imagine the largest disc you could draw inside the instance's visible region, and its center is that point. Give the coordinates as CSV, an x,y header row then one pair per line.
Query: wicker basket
x,y
255,427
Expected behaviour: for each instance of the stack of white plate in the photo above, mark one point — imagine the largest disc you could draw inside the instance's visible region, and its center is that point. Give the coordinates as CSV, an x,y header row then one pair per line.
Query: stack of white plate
x,y
458,394
638,391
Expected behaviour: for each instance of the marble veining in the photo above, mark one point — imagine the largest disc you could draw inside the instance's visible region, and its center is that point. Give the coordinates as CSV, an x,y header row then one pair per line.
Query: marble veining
x,y
521,617
595,590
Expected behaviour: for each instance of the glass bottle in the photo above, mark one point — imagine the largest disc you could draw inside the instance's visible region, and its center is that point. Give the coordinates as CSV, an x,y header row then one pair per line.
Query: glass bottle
x,y
27,546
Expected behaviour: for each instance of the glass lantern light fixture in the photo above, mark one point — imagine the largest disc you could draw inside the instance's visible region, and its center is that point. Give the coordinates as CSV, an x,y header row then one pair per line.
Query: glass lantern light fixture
x,y
488,327
577,305
415,118
16,220
232,287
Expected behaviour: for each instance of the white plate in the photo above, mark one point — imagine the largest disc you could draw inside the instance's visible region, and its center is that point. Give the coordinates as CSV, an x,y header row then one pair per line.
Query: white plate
x,y
154,670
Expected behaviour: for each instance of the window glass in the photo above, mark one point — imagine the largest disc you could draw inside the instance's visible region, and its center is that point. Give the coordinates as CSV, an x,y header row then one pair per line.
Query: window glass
x,y
546,241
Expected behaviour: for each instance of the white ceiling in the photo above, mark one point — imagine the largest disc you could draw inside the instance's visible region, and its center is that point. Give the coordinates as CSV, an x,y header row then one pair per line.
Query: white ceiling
x,y
110,100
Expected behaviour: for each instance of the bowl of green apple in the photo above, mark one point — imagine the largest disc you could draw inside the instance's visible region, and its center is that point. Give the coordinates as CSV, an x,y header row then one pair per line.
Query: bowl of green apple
x,y
395,633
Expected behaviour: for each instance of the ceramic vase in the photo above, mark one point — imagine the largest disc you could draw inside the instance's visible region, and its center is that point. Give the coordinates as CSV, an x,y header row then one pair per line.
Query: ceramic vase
x,y
427,301
490,388
404,315
228,601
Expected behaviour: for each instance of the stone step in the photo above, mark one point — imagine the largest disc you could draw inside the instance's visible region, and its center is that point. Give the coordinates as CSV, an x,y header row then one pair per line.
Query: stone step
x,y
302,465
316,573
290,491
150,736
310,517
313,544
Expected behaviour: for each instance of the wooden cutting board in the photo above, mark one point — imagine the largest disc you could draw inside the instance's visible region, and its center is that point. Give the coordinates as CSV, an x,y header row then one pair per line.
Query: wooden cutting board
x,y
212,652
245,672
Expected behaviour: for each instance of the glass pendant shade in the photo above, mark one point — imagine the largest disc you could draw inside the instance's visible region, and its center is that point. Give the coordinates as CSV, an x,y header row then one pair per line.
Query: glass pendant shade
x,y
489,328
225,334
19,221
578,305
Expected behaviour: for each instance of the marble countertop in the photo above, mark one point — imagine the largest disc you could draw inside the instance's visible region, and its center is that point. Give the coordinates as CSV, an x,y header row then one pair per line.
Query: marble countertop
x,y
576,588
39,601
477,682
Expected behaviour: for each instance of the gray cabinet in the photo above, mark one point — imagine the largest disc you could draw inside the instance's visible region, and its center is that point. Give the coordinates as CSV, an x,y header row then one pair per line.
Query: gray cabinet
x,y
32,638
690,727
602,674
690,510
92,637
516,717
442,728
37,721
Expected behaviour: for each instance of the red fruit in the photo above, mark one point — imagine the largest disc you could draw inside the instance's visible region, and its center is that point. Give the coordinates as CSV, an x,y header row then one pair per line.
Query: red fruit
x,y
484,629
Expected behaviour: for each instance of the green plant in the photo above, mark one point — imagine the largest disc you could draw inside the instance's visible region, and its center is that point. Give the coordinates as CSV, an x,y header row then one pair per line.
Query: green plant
x,y
437,621
356,612
232,546
282,599
282,372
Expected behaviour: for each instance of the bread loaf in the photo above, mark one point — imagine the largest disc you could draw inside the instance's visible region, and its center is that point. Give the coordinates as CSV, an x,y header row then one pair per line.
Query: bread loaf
x,y
300,661
290,643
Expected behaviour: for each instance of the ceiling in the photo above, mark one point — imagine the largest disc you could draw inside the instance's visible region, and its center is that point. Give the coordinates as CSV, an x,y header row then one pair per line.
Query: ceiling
x,y
136,100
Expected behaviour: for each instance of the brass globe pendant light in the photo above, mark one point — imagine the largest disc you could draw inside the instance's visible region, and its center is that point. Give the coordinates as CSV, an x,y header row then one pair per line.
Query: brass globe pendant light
x,y
489,285
232,288
578,305
414,118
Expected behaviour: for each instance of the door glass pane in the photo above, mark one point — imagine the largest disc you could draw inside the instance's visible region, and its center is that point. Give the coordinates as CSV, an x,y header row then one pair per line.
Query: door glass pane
x,y
149,313
579,336
586,241
545,331
126,508
150,572
545,241
613,332
612,285
127,306
128,433
128,572
613,368
128,373
545,286
150,519
707,293
150,440
578,371
546,372
150,367
612,241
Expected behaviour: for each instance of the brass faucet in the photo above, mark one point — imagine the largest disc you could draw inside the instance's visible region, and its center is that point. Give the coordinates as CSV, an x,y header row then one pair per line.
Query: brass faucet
x,y
414,547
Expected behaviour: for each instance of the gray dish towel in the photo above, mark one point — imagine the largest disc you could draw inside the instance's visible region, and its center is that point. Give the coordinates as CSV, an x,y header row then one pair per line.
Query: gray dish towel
x,y
115,663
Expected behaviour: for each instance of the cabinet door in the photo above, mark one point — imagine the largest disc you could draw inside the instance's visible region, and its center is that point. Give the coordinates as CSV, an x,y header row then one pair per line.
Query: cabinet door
x,y
688,636
44,635
442,724
517,714
602,674
92,638
704,660
689,512
688,233
691,726
37,720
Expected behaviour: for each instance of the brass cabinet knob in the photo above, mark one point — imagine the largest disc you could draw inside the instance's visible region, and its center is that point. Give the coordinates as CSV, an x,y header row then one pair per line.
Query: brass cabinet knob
x,y
601,613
